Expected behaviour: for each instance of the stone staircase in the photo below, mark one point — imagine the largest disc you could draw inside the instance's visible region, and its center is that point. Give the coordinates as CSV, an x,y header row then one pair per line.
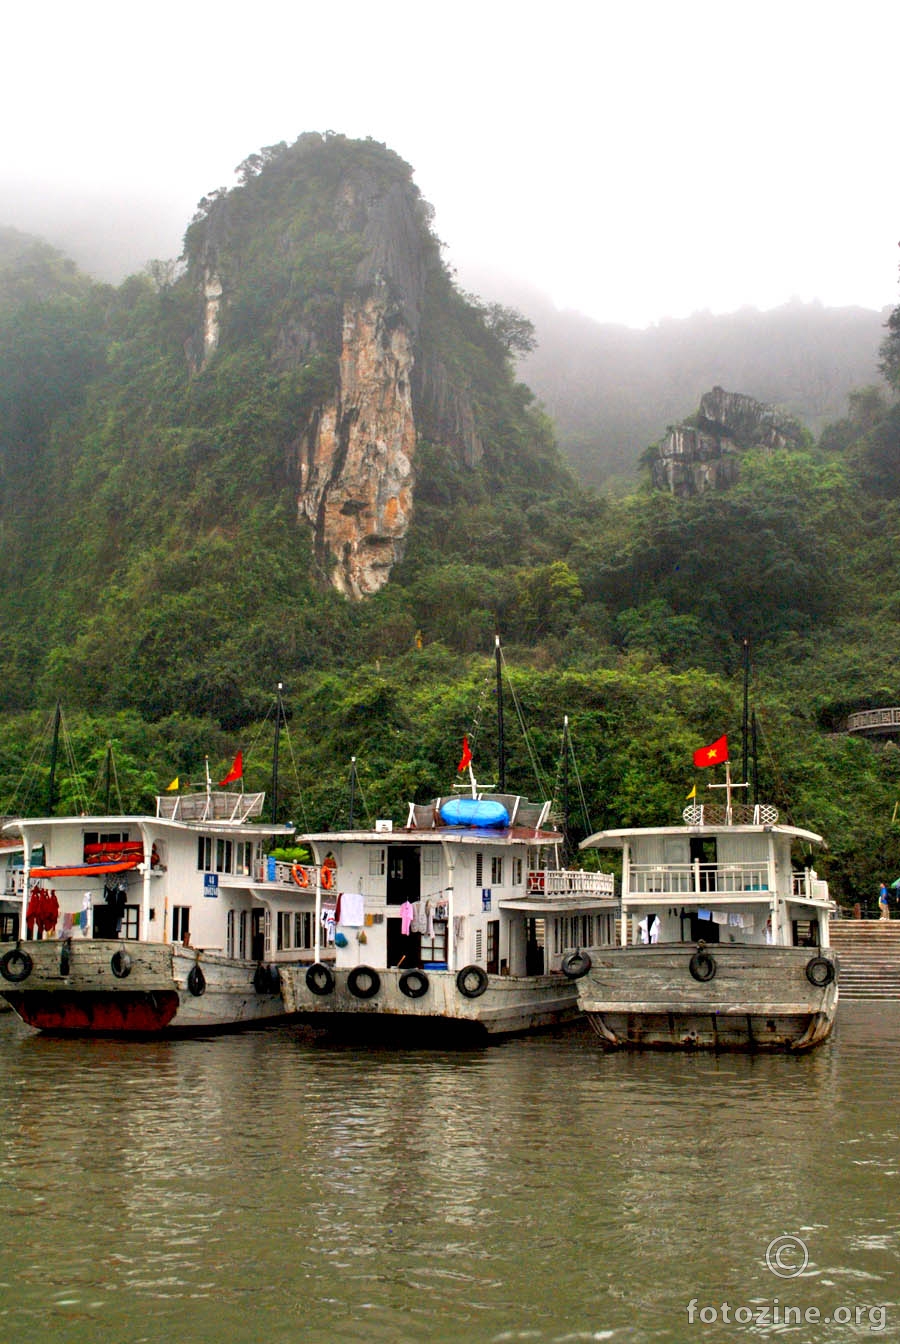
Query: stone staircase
x,y
868,957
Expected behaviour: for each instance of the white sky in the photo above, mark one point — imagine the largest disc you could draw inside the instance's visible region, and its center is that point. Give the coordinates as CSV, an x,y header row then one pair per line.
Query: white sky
x,y
630,159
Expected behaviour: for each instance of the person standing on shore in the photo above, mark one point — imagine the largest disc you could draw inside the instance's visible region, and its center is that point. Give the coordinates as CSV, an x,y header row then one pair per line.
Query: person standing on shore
x,y
883,906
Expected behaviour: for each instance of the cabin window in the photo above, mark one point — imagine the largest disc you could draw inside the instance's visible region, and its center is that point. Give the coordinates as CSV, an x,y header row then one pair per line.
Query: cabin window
x,y
478,944
229,934
431,861
9,928
283,931
223,856
242,935
496,871
376,863
181,922
517,872
434,948
130,918
204,853
105,837
479,870
493,945
303,929
243,858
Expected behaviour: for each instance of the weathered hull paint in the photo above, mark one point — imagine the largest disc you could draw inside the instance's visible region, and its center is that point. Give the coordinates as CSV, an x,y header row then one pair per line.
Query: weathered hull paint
x,y
760,1000
72,990
509,1006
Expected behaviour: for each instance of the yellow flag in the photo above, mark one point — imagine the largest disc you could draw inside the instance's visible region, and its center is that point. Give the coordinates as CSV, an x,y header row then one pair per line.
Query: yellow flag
x,y
693,792
173,785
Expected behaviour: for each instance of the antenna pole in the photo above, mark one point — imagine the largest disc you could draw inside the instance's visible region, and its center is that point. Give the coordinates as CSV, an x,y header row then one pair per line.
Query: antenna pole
x,y
501,745
54,752
352,787
279,710
746,702
565,780
108,773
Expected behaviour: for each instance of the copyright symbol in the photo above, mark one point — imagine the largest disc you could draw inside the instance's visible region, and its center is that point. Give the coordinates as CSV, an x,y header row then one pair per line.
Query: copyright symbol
x,y
787,1257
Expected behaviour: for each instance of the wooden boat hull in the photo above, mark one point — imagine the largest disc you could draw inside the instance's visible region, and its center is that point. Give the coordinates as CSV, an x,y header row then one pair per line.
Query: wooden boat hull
x,y
72,989
507,1006
759,999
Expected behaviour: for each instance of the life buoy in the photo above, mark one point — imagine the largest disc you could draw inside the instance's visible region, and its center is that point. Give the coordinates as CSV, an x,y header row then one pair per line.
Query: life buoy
x,y
300,875
326,877
575,965
471,981
120,964
702,966
363,982
196,981
413,984
16,965
819,971
320,979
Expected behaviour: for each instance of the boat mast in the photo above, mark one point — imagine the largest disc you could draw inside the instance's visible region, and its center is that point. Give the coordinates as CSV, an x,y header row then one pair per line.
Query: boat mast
x,y
352,787
108,773
745,775
279,711
501,746
565,786
54,752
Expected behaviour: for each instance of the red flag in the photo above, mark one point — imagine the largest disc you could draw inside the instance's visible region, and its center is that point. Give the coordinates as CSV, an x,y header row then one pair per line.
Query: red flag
x,y
236,771
712,755
466,755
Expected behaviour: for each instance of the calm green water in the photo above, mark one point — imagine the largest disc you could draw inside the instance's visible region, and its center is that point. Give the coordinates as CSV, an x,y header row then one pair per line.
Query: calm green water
x,y
263,1188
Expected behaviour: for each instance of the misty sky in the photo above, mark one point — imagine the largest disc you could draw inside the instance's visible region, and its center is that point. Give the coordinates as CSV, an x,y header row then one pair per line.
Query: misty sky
x,y
631,160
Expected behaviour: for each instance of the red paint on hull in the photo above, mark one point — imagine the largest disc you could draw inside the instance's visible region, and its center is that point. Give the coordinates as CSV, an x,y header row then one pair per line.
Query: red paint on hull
x,y
121,1013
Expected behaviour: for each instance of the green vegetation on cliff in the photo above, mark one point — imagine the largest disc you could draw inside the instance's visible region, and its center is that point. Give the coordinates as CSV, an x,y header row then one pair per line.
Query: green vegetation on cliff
x,y
156,575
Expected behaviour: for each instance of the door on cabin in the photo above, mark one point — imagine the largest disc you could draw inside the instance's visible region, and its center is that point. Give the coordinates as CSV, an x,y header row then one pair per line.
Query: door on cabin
x,y
404,883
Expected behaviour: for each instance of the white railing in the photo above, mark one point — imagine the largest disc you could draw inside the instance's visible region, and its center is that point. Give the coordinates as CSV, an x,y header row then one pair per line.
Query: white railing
x,y
568,882
873,718
682,879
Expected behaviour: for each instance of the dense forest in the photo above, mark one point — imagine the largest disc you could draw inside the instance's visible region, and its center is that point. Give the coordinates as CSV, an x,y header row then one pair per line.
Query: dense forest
x,y
159,580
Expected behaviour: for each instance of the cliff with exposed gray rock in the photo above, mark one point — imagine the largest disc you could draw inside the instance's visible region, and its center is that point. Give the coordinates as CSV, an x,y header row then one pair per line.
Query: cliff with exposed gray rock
x,y
704,454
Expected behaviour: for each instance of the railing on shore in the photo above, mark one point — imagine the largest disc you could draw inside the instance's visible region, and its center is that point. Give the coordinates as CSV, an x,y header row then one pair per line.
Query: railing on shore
x,y
874,720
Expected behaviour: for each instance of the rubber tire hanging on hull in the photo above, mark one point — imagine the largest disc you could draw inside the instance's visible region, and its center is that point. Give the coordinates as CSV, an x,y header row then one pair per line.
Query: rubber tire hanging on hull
x,y
702,967
413,984
362,990
320,979
196,981
471,981
16,965
575,965
120,964
819,971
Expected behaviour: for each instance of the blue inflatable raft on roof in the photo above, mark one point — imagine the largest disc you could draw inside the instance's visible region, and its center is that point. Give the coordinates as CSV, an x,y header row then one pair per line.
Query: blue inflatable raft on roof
x,y
474,812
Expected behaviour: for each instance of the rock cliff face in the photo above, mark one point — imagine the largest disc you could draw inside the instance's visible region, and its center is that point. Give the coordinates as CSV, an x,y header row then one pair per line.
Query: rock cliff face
x,y
353,451
692,459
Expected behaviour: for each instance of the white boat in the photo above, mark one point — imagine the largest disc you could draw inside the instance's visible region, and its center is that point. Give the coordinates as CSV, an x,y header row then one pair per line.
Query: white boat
x,y
724,940
460,919
147,924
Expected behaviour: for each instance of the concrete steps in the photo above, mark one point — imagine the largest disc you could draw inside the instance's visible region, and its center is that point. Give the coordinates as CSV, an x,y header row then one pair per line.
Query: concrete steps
x,y
869,958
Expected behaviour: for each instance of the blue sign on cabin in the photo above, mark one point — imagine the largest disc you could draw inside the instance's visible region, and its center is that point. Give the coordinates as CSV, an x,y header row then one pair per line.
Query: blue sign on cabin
x,y
210,884
485,898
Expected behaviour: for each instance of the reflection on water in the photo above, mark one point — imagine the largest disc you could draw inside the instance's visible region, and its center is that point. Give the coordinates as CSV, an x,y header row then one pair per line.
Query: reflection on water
x,y
264,1187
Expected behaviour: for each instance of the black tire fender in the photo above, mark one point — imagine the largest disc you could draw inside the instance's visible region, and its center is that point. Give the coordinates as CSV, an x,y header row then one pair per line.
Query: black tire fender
x,y
819,971
702,966
120,964
471,981
413,984
575,965
320,979
196,981
356,982
16,965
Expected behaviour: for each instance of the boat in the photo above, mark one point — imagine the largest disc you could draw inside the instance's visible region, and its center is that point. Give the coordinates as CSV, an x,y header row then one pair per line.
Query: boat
x,y
724,938
454,924
144,925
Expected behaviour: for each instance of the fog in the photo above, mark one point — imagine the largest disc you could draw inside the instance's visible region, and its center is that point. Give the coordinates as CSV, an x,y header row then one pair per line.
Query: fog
x,y
631,163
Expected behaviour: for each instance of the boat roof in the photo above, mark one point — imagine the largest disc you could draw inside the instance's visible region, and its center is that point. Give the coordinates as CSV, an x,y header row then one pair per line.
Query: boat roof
x,y
462,835
616,839
209,812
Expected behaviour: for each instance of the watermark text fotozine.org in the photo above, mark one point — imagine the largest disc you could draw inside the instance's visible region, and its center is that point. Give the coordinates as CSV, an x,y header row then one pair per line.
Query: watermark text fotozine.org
x,y
787,1258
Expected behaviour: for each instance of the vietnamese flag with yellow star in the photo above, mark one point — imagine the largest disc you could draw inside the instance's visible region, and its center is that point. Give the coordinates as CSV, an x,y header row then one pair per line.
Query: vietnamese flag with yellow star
x,y
712,755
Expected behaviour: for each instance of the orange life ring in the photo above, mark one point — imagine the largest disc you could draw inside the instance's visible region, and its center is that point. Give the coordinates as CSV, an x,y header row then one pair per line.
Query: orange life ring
x,y
300,875
327,878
